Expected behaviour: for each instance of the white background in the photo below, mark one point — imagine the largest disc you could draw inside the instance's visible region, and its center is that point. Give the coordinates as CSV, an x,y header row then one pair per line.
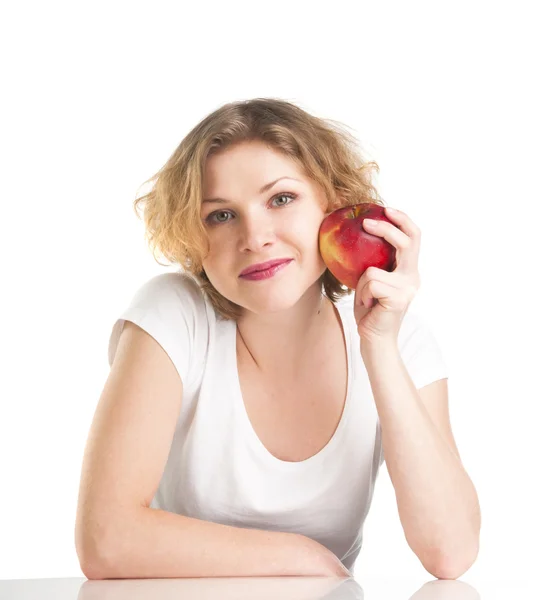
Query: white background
x,y
443,96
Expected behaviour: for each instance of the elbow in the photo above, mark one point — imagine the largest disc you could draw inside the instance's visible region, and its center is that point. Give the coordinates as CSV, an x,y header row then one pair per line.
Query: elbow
x,y
95,557
92,569
451,567
447,571
96,564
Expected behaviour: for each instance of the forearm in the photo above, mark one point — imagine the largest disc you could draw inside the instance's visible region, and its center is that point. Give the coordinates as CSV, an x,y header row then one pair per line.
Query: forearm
x,y
154,543
437,502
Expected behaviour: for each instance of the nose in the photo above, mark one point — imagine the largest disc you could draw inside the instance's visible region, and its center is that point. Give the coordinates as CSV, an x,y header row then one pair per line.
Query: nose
x,y
256,231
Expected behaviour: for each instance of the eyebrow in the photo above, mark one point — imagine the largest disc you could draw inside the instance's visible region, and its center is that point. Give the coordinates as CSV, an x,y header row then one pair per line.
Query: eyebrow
x,y
263,189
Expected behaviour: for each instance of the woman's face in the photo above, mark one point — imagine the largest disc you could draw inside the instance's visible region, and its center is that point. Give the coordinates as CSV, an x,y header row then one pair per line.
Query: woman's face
x,y
252,225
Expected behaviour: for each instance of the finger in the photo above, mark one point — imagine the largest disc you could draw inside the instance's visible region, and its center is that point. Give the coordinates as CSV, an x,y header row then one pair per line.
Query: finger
x,y
389,232
407,248
407,261
393,278
403,221
377,290
375,274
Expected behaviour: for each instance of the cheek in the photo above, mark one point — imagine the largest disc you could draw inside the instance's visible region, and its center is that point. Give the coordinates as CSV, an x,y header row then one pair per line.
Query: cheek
x,y
307,230
219,246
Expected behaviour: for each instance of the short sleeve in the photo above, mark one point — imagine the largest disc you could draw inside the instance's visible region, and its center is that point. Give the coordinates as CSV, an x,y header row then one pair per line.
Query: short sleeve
x,y
171,308
420,351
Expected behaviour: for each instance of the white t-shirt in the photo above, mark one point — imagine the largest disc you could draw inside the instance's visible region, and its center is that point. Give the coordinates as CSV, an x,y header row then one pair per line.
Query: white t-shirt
x,y
219,470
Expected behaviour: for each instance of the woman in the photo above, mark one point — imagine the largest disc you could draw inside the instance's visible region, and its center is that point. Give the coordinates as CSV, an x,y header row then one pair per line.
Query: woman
x,y
245,418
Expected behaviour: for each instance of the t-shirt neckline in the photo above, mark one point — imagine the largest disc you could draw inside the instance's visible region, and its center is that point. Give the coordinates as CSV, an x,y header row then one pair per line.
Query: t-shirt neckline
x,y
250,434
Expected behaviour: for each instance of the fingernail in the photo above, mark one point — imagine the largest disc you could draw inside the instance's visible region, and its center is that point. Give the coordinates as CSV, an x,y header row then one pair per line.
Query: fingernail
x,y
370,222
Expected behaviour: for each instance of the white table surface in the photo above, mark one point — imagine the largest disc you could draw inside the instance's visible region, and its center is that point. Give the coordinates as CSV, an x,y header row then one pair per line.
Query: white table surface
x,y
265,588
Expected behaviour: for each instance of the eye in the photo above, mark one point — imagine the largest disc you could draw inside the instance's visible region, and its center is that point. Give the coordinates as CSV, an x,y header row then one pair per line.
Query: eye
x,y
212,219
214,214
285,195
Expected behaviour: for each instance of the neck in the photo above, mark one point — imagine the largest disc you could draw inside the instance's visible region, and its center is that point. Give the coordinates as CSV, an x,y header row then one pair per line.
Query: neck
x,y
280,341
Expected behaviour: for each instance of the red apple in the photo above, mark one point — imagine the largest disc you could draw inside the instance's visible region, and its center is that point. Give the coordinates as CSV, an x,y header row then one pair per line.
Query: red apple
x,y
348,249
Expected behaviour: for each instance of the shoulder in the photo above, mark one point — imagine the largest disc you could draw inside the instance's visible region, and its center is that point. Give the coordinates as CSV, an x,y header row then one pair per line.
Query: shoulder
x,y
170,287
172,296
170,307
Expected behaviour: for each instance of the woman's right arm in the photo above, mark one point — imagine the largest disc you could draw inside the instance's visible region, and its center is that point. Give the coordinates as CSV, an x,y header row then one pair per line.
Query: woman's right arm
x,y
117,534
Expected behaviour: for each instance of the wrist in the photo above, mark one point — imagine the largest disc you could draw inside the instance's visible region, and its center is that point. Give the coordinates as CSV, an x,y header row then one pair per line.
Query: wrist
x,y
378,347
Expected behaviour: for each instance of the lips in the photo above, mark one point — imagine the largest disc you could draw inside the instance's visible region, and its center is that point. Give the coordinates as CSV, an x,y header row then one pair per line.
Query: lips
x,y
264,265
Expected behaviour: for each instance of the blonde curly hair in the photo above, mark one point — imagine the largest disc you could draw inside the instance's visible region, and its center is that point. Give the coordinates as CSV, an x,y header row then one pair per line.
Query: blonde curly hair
x,y
328,153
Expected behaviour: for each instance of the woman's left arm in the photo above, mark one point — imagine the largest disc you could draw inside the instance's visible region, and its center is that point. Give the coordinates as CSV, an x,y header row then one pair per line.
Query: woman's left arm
x,y
437,501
